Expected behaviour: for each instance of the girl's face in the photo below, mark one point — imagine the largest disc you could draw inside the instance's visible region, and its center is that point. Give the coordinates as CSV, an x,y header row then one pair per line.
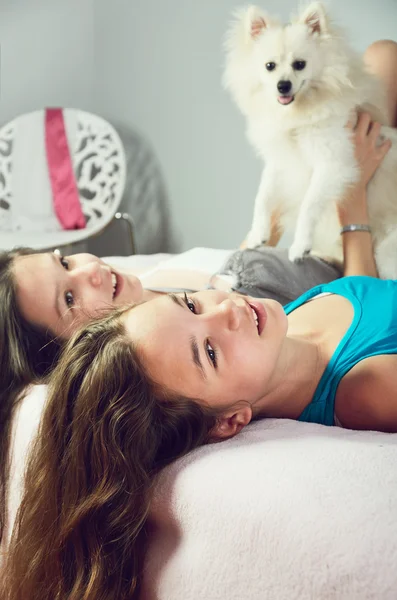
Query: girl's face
x,y
212,346
62,293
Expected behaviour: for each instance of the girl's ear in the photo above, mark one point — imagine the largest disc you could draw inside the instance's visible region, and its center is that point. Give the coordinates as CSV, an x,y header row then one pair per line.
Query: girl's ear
x,y
231,423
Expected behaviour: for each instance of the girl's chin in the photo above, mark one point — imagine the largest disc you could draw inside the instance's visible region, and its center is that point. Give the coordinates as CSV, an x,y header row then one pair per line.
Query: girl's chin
x,y
133,290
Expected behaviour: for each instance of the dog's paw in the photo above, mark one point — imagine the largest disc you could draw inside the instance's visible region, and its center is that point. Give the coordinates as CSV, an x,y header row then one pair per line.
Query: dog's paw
x,y
255,239
298,252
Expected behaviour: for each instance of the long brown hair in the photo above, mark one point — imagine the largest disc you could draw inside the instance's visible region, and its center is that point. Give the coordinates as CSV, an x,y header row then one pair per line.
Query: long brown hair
x,y
106,432
27,353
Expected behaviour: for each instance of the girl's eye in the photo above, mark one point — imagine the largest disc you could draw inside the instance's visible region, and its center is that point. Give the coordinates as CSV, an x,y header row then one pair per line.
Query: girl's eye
x,y
212,354
69,299
64,262
190,304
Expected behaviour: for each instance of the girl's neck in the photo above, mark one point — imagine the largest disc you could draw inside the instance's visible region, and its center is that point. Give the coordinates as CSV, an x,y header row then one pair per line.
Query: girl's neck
x,y
292,388
149,295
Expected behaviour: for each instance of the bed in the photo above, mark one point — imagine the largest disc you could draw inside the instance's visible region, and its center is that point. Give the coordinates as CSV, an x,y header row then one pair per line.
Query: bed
x,y
286,510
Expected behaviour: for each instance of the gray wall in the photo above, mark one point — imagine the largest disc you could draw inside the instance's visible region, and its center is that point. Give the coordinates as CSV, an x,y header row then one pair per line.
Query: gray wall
x,y
47,55
161,64
153,68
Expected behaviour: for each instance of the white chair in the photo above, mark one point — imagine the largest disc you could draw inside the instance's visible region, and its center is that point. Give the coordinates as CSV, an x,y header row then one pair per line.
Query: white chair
x,y
99,165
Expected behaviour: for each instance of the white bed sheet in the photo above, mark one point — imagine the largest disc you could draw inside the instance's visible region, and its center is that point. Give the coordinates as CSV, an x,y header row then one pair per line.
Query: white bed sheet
x,y
206,260
284,511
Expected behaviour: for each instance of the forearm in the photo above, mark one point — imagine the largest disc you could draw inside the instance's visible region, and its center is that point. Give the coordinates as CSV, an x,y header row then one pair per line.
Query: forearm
x,y
358,254
358,251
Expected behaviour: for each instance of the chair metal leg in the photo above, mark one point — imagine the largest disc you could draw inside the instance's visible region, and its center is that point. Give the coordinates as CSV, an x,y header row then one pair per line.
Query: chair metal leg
x,y
130,222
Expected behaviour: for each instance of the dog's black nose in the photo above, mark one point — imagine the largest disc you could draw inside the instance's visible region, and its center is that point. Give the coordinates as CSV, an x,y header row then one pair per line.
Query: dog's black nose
x,y
284,87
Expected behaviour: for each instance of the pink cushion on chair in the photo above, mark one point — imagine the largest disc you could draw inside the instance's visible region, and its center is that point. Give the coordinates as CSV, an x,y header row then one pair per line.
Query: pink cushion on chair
x,y
65,194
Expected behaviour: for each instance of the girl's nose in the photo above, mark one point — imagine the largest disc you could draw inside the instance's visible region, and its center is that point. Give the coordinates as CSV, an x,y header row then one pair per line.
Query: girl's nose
x,y
228,311
92,273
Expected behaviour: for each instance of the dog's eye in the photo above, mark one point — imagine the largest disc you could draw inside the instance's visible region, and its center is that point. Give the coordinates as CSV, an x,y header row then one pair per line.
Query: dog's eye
x,y
299,65
270,66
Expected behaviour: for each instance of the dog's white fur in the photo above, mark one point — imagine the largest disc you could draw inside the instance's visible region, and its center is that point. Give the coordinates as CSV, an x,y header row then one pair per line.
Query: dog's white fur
x,y
306,147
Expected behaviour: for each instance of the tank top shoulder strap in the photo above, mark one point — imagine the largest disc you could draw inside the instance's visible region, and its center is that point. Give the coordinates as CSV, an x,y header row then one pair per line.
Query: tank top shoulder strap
x,y
318,289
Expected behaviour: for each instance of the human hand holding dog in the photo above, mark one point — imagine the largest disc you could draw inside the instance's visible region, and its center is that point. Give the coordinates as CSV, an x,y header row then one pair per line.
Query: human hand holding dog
x,y
357,245
369,154
369,148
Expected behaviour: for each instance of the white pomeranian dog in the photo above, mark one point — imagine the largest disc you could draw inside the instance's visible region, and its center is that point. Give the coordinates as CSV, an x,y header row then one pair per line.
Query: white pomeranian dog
x,y
298,85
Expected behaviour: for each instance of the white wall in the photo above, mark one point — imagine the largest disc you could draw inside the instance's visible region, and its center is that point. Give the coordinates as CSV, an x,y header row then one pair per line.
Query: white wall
x,y
47,55
158,69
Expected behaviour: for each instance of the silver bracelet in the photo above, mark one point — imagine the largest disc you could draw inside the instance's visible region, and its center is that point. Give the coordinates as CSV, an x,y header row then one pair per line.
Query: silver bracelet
x,y
355,227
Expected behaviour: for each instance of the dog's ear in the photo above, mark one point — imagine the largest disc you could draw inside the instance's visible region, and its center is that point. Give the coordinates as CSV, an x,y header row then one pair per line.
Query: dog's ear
x,y
315,17
256,22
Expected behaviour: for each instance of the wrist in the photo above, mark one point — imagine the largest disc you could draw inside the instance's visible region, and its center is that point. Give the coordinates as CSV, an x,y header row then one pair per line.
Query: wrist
x,y
356,227
354,217
354,208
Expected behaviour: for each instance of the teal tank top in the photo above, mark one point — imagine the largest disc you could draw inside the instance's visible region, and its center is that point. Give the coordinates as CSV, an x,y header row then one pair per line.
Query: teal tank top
x,y
372,331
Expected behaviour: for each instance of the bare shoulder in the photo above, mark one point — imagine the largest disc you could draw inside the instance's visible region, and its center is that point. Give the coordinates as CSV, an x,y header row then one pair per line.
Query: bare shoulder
x,y
367,395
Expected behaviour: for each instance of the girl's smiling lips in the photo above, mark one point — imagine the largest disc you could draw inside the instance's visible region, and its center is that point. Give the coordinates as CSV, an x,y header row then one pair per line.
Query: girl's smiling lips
x,y
119,284
261,314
